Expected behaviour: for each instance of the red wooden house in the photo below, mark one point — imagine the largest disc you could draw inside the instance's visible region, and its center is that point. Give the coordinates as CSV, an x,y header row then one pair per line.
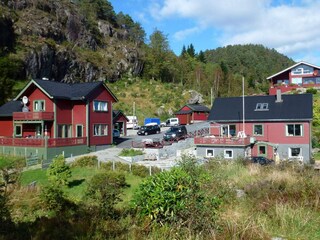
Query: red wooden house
x,y
300,75
274,126
192,113
120,121
49,118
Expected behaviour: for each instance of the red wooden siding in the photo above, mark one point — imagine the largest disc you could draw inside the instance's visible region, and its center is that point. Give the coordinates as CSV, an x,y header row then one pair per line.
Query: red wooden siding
x,y
6,127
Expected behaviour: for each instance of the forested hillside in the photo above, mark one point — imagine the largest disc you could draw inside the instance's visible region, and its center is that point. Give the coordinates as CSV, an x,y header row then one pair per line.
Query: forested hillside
x,y
85,40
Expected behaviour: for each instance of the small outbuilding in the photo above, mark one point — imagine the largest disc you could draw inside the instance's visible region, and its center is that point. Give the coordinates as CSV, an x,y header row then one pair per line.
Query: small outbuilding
x,y
192,113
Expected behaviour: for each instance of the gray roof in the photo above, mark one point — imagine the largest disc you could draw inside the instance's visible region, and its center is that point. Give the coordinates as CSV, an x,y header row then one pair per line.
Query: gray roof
x,y
297,107
70,91
8,108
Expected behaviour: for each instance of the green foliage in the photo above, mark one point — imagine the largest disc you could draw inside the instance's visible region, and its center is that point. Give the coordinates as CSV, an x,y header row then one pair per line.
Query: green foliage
x,y
59,172
177,197
85,161
10,168
105,189
312,90
52,198
130,152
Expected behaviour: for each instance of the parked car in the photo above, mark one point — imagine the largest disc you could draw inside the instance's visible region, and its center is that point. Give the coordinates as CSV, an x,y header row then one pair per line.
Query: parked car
x,y
150,129
116,133
261,160
175,133
172,122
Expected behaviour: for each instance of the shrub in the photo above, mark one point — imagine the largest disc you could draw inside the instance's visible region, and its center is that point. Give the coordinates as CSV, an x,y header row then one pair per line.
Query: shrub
x,y
85,161
130,152
59,172
312,90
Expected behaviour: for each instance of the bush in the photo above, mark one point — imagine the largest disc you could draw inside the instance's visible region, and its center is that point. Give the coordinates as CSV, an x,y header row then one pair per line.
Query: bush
x,y
130,152
312,90
85,161
59,172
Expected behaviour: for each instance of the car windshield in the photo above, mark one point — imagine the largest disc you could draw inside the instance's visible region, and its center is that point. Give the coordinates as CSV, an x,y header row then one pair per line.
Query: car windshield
x,y
143,128
170,130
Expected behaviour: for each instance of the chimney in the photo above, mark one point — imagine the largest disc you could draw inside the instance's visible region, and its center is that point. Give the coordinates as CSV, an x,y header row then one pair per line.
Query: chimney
x,y
278,97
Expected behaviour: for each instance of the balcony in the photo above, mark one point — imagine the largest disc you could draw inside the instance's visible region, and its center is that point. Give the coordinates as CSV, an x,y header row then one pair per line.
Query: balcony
x,y
42,142
221,141
20,116
288,88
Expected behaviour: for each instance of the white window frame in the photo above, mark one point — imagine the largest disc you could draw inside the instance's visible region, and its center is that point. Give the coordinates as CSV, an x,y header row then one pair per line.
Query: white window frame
x,y
100,106
210,155
15,130
290,152
66,131
77,130
227,155
294,126
39,103
100,130
262,129
262,107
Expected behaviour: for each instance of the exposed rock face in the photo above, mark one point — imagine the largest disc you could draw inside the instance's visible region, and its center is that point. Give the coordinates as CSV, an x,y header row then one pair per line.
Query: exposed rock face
x,y
59,43
195,97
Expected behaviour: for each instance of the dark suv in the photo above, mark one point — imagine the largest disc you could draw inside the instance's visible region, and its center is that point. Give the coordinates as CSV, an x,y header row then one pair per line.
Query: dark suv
x,y
175,133
146,130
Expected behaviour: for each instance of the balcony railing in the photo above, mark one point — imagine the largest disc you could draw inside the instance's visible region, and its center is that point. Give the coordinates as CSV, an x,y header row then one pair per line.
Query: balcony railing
x,y
221,141
49,116
287,88
42,142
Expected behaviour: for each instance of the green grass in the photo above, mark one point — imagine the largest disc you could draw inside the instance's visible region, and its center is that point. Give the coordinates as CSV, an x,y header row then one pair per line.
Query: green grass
x,y
38,175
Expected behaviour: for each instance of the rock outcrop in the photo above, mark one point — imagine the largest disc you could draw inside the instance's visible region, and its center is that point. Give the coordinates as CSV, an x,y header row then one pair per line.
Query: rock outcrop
x,y
56,40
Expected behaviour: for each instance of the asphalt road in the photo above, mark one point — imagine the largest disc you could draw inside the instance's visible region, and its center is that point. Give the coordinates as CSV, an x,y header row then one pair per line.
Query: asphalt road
x,y
126,141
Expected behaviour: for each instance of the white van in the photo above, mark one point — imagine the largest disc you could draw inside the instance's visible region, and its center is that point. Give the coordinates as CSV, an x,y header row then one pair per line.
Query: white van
x,y
132,123
172,122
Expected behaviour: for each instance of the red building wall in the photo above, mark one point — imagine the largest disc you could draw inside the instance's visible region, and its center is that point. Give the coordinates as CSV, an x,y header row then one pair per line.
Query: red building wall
x,y
37,94
63,112
6,127
200,116
184,119
100,117
79,117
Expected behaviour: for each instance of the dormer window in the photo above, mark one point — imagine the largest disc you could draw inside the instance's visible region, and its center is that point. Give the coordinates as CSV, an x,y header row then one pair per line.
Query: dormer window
x,y
262,107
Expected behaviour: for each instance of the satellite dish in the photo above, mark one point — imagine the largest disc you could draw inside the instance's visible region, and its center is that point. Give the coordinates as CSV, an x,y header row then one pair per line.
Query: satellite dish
x,y
25,99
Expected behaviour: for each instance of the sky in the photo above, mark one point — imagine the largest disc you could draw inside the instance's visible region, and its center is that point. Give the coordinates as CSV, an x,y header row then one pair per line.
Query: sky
x,y
292,27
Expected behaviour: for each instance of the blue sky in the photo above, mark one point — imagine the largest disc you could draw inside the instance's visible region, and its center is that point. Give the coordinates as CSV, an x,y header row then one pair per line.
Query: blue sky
x,y
292,27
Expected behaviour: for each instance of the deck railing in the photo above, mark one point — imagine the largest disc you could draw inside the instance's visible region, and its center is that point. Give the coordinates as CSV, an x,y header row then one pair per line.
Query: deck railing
x,y
212,140
42,142
33,116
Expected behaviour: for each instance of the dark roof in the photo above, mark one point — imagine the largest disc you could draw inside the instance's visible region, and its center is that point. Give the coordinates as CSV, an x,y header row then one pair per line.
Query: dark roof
x,y
193,108
293,107
116,114
8,108
70,91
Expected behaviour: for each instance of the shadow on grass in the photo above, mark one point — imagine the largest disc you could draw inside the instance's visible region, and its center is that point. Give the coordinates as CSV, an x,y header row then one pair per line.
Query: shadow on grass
x,y
76,182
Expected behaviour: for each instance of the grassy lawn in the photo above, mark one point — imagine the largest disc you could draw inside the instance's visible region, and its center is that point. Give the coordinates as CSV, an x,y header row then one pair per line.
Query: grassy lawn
x,y
78,182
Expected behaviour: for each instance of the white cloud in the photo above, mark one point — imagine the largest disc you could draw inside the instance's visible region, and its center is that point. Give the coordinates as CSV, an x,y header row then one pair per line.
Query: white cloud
x,y
180,35
288,26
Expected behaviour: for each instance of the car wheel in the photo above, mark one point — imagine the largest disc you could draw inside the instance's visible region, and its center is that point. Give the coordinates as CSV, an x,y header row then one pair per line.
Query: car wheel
x,y
146,133
158,132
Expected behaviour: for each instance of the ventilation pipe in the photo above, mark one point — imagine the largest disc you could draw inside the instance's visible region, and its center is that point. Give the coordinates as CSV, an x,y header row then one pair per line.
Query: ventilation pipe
x,y
278,96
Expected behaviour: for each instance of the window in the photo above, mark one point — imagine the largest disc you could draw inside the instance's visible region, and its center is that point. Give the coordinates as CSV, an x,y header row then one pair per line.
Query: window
x,y
228,154
262,107
209,153
294,130
100,106
295,152
302,69
79,131
38,106
262,150
100,130
258,130
64,131
228,130
18,130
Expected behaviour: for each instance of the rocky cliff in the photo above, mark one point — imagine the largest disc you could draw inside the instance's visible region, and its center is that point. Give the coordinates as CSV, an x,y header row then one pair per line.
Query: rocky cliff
x,y
69,41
